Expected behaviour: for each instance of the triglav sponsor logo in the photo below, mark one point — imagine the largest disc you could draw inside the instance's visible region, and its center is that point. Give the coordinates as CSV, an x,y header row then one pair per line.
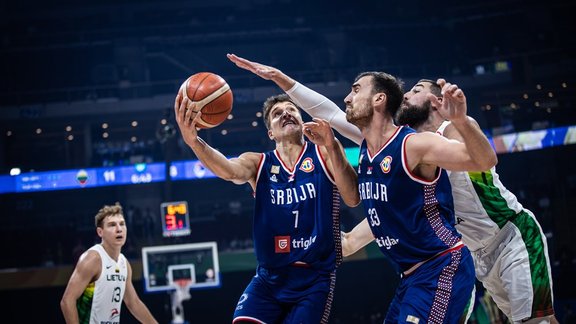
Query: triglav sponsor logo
x,y
282,244
387,242
303,243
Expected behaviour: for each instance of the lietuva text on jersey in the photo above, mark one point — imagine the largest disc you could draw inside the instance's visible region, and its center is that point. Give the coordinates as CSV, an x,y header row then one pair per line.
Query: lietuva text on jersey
x,y
115,277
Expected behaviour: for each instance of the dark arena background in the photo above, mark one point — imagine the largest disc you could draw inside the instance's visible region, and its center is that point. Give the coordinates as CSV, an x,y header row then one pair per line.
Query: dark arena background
x,y
86,119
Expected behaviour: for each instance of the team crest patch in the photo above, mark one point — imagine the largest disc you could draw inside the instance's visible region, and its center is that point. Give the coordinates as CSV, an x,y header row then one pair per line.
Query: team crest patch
x,y
282,244
307,165
275,169
114,313
386,164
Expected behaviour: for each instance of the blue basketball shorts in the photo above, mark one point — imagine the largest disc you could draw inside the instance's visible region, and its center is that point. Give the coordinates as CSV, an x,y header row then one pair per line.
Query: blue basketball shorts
x,y
287,295
441,290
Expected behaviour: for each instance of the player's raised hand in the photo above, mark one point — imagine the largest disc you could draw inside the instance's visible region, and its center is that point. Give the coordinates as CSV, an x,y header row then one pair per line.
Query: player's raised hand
x,y
264,71
453,105
186,117
319,132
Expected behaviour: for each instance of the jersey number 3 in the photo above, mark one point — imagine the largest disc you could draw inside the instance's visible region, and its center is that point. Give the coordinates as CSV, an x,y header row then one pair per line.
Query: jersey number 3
x,y
373,215
116,295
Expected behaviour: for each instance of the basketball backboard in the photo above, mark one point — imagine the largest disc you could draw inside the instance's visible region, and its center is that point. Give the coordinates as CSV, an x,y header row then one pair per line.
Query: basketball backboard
x,y
165,264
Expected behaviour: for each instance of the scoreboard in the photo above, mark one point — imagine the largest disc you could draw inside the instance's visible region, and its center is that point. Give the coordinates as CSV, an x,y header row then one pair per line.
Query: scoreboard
x,y
175,219
107,176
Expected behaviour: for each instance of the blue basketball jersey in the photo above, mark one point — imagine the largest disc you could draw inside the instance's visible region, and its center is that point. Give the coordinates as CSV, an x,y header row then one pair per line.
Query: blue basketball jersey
x,y
296,212
412,219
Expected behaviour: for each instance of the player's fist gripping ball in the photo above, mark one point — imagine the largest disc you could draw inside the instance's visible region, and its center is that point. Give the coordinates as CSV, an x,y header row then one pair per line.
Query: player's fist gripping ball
x,y
212,96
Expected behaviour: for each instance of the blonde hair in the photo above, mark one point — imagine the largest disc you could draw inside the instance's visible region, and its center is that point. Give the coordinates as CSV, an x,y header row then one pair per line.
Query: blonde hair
x,y
107,210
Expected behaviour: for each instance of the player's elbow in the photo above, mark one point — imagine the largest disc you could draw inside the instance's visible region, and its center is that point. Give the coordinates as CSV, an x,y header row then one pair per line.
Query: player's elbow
x,y
232,177
487,162
494,160
346,251
66,303
352,201
348,244
130,304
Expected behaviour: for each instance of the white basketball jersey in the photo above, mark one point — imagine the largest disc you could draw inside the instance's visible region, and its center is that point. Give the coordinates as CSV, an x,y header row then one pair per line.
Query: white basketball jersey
x,y
482,204
104,296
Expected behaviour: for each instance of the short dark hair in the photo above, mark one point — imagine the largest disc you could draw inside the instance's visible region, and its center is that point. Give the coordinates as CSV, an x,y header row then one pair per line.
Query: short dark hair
x,y
107,211
270,102
390,85
434,87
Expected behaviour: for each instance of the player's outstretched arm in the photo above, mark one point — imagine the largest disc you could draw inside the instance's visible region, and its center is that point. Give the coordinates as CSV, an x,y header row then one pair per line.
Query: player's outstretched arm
x,y
319,132
87,270
135,304
238,170
357,238
454,108
474,153
264,71
312,102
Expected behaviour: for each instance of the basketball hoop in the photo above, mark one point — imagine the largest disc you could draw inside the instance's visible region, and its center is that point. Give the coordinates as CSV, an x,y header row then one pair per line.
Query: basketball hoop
x,y
183,283
181,294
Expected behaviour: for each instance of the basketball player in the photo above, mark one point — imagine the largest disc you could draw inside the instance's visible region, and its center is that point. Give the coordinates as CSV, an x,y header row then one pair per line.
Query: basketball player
x,y
296,225
406,194
503,236
103,277
508,245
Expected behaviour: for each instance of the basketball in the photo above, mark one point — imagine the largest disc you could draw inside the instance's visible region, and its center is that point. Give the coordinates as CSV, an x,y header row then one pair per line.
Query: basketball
x,y
212,96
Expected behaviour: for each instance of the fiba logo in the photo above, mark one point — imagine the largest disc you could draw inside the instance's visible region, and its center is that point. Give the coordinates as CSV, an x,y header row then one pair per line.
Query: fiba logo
x,y
386,164
307,165
282,244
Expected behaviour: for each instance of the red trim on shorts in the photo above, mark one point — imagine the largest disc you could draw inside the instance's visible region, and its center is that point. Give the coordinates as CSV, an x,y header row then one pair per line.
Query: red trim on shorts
x,y
300,264
413,268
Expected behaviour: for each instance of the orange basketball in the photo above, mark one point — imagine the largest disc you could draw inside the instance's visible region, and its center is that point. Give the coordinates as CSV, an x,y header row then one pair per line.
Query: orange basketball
x,y
212,96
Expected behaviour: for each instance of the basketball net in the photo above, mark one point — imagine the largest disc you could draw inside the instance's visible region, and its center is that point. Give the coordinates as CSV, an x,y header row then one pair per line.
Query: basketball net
x,y
181,294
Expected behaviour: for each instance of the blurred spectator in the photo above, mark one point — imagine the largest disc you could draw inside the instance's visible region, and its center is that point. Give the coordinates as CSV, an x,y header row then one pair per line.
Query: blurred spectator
x,y
77,250
48,258
564,270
